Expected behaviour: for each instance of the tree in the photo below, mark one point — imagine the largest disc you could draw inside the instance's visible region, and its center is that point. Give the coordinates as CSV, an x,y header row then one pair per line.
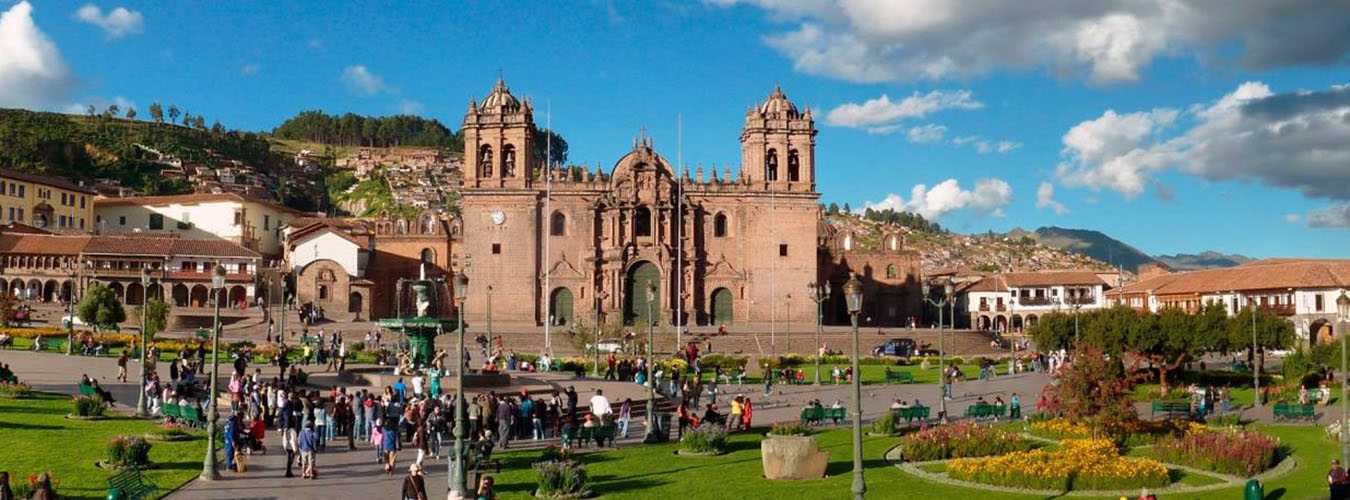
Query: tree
x,y
1272,332
100,308
131,113
198,122
556,151
173,113
156,316
112,111
1053,331
8,306
834,209
846,209
92,111
187,119
1093,389
156,112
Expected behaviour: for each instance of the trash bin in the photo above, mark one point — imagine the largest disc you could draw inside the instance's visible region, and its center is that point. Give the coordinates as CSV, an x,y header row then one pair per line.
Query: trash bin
x,y
116,494
1253,491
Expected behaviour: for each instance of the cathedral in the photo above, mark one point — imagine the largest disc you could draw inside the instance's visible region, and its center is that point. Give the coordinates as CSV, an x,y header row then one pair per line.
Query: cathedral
x,y
648,241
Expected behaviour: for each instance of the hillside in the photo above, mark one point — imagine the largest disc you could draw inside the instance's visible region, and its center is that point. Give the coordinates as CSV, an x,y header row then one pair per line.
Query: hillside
x,y
85,148
1202,260
1094,244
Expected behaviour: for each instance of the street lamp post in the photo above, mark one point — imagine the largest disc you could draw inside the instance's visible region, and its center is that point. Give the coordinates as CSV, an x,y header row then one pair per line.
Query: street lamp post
x,y
458,490
947,290
209,472
1076,305
1343,315
145,287
489,320
652,436
70,305
1256,367
819,293
595,339
787,325
853,293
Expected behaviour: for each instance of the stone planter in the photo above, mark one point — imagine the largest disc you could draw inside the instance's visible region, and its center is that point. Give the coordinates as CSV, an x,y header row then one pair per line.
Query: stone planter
x,y
792,457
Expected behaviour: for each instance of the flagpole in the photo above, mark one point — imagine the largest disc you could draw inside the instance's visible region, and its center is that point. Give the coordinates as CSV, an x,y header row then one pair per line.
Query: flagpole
x,y
548,218
679,234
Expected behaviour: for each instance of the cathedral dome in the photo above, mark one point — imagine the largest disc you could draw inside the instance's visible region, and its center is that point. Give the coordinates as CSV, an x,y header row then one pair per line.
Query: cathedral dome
x,y
778,105
499,100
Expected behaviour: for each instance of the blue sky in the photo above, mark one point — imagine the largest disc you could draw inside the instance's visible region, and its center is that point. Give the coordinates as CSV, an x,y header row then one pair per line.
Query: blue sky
x,y
1118,109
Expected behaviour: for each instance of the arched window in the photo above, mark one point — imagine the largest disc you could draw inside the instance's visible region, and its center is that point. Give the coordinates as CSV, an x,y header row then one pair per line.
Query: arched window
x,y
508,161
893,242
557,225
323,292
720,225
485,161
794,167
771,165
429,256
642,221
890,272
848,241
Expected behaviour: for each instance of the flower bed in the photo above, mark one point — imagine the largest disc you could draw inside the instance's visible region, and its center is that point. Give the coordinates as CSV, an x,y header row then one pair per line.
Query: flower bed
x,y
1060,428
1239,453
964,439
15,391
1080,464
89,406
561,479
705,440
128,451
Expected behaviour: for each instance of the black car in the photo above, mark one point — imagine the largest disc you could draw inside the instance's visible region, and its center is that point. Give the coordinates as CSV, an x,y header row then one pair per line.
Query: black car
x,y
896,347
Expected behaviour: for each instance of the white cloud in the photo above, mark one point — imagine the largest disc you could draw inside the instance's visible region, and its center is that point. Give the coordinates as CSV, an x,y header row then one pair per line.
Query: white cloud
x,y
988,198
881,111
985,147
1109,41
360,80
250,69
118,23
1293,218
926,133
1296,140
1337,215
1045,197
409,107
32,72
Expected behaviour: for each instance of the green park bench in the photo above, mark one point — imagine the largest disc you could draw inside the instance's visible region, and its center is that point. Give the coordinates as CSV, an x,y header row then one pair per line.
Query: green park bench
x,y
899,376
192,416
170,411
912,413
985,411
585,435
130,484
1171,409
1283,411
9,377
87,390
818,415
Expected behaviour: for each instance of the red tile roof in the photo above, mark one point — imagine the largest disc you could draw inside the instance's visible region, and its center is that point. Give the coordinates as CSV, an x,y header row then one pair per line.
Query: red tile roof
x,y
156,245
56,182
1266,274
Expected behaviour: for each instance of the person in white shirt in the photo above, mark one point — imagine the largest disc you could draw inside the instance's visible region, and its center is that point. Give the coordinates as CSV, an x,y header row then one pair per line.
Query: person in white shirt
x,y
417,385
600,405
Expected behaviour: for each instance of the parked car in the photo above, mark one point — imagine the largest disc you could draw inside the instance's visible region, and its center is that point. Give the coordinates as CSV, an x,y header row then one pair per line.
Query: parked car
x,y
69,318
896,347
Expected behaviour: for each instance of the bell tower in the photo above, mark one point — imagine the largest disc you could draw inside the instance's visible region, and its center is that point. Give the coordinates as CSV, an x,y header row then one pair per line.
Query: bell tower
x,y
499,141
778,146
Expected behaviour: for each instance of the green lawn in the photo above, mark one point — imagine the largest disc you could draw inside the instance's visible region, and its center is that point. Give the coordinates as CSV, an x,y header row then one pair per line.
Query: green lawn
x,y
37,438
654,472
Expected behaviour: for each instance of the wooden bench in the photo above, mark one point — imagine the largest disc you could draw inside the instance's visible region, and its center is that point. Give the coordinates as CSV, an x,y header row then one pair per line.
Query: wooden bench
x,y
1283,411
87,390
985,411
131,485
899,376
1171,409
912,413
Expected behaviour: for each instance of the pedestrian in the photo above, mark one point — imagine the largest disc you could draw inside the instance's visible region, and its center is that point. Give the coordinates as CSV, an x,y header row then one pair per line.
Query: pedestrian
x,y
414,487
5,492
231,436
122,366
1338,481
485,489
1015,407
290,442
307,445
625,416
389,443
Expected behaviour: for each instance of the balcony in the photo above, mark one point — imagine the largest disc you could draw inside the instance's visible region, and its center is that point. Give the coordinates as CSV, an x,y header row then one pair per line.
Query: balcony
x,y
1033,301
1082,300
1280,309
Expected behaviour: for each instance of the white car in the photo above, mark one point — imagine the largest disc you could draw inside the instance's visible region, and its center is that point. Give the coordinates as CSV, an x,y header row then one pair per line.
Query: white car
x,y
606,346
65,321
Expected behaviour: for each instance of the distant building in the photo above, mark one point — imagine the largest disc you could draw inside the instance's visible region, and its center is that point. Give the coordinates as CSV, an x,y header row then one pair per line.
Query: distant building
x,y
1302,290
48,203
1015,300
246,222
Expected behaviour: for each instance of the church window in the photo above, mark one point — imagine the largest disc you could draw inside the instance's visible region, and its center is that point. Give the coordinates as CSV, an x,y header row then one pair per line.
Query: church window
x,y
496,248
720,225
782,250
642,222
890,272
794,166
485,161
428,256
557,224
848,241
323,292
771,165
508,161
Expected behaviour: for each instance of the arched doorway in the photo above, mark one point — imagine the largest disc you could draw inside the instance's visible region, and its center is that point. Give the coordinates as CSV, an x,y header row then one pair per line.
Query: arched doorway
x,y
4,286
722,307
1320,332
180,295
154,291
34,290
135,294
199,296
119,291
66,290
635,309
1016,323
354,302
984,323
238,297
1000,323
560,307
49,291
1031,320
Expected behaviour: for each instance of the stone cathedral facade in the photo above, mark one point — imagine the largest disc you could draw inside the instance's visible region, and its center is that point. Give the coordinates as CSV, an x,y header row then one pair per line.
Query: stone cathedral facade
x,y
564,246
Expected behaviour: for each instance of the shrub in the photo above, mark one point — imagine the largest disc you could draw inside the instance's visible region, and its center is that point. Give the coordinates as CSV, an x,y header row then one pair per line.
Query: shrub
x,y
963,439
15,391
553,452
887,425
1081,464
1240,453
788,429
1229,420
170,430
727,363
128,451
710,439
560,478
89,406
24,489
